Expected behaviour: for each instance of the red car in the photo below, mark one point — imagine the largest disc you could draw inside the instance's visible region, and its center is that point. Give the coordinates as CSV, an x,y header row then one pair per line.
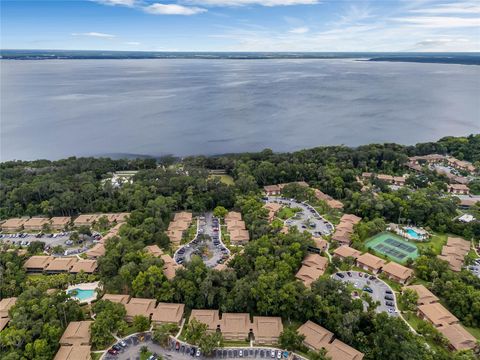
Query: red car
x,y
112,351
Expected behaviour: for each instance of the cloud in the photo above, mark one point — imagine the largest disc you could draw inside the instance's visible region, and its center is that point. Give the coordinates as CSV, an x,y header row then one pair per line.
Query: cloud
x,y
172,9
299,30
128,3
95,34
440,21
134,43
268,3
452,8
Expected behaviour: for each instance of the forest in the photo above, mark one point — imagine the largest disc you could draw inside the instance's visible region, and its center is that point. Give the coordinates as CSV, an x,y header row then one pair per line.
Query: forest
x,y
261,280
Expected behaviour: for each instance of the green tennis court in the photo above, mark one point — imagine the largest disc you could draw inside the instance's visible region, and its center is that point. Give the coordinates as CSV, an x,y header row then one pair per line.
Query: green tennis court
x,y
393,247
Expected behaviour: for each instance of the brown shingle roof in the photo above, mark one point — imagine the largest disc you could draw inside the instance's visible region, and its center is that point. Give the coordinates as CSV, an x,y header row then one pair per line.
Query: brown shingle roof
x,y
116,298
308,274
3,323
139,306
338,350
183,216
154,250
316,337
37,262
425,296
437,314
14,223
168,313
235,325
233,215
266,328
73,353
87,266
346,251
61,264
237,236
96,251
372,261
76,333
397,271
459,338
209,317
5,305
60,221
35,223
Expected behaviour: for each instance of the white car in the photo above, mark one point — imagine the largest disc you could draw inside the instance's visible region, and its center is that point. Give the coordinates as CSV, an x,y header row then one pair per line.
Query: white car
x,y
198,353
272,352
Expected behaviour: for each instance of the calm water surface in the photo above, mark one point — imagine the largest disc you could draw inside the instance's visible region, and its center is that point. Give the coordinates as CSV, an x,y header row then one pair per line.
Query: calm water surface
x,y
56,108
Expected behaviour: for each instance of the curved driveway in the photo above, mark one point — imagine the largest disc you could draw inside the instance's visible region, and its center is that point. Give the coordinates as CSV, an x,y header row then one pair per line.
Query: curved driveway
x,y
308,219
205,226
379,289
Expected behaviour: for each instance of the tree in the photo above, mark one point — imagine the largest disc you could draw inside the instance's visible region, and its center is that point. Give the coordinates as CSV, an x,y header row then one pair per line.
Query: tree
x,y
36,247
220,212
195,331
408,299
319,355
84,230
209,342
152,283
141,323
290,339
109,318
162,333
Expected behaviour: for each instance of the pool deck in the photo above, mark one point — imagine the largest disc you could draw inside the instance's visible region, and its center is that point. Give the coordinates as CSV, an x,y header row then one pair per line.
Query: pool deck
x,y
85,286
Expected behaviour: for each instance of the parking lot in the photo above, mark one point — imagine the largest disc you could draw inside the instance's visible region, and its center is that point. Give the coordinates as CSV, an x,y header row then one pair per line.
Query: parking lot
x,y
207,243
180,351
51,240
308,219
375,287
475,267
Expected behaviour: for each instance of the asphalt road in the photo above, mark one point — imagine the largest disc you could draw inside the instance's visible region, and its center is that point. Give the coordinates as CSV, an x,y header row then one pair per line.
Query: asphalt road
x,y
308,219
205,237
378,287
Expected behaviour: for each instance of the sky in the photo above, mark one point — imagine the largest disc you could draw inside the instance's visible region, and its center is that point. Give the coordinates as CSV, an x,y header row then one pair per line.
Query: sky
x,y
242,25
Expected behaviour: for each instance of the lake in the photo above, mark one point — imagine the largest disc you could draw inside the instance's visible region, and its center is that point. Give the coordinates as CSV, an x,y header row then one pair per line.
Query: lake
x,y
57,108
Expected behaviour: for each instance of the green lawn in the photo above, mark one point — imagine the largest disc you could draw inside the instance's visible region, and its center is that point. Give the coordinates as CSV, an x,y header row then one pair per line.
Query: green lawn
x,y
474,331
235,343
145,355
226,179
95,356
436,242
190,233
287,212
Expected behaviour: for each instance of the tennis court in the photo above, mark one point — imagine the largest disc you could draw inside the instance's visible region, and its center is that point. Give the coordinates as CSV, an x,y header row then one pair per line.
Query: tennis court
x,y
393,247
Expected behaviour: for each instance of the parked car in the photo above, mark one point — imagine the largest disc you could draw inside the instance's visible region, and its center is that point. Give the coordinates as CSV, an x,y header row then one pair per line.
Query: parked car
x,y
122,343
388,297
198,352
112,351
368,289
240,353
340,275
389,303
388,292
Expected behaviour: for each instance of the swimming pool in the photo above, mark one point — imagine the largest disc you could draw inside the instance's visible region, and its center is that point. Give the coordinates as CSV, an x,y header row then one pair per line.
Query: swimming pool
x,y
82,295
413,234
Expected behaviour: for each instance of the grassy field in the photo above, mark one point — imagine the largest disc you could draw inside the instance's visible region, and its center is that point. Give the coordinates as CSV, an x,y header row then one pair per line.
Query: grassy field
x,y
226,179
474,331
287,212
95,356
436,242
